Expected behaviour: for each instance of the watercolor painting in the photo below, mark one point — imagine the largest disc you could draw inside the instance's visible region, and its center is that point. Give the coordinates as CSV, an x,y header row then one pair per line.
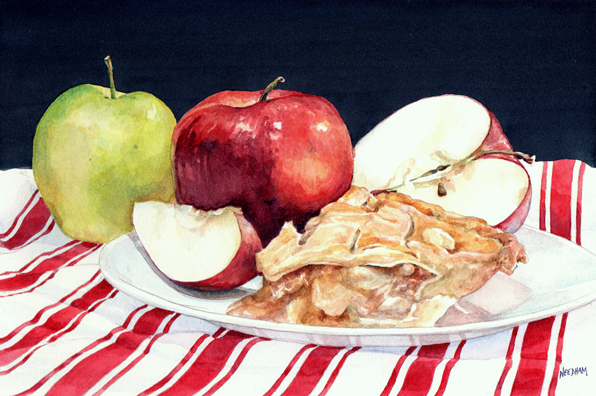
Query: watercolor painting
x,y
297,198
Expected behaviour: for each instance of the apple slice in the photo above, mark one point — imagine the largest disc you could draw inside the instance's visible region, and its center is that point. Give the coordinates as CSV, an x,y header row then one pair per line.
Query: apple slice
x,y
205,250
451,151
498,189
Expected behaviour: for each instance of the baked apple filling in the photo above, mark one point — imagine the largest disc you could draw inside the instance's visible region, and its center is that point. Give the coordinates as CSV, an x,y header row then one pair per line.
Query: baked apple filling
x,y
382,260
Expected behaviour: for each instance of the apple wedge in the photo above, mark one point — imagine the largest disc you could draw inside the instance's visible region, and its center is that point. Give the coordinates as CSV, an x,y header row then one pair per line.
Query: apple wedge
x,y
451,151
205,250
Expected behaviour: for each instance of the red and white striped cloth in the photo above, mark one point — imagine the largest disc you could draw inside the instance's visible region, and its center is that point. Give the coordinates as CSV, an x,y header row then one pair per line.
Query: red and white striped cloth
x,y
64,330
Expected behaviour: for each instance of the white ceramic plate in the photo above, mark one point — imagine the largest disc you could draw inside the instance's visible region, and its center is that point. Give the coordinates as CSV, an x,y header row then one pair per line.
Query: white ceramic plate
x,y
559,276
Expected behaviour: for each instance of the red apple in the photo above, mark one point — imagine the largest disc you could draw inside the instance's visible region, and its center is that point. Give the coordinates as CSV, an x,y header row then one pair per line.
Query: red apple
x,y
451,151
278,155
213,250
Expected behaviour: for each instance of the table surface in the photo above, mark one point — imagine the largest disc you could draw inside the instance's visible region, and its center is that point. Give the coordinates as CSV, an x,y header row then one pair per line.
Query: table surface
x,y
65,330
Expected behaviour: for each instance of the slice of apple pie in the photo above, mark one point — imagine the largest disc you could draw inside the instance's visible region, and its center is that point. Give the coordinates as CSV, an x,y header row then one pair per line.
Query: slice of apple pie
x,y
381,260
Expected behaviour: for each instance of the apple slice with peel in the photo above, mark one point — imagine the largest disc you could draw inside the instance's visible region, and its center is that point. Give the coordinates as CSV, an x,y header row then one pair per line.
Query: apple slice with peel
x,y
498,188
205,250
451,151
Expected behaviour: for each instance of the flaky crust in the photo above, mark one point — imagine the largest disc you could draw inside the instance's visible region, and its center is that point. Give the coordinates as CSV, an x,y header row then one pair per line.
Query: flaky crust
x,y
377,260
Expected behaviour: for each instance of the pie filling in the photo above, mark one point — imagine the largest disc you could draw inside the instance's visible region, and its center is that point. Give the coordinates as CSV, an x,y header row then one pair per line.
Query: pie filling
x,y
383,260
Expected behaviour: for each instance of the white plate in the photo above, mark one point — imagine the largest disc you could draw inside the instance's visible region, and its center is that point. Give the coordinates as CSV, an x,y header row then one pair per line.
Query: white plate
x,y
559,276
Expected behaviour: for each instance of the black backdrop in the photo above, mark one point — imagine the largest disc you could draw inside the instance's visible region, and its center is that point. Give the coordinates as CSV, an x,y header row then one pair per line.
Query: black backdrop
x,y
531,63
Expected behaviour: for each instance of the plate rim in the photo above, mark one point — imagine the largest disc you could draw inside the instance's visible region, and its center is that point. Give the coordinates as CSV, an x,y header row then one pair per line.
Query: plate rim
x,y
485,327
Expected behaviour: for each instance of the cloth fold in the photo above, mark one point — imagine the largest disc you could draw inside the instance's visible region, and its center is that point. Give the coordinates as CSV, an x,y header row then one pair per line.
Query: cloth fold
x,y
65,330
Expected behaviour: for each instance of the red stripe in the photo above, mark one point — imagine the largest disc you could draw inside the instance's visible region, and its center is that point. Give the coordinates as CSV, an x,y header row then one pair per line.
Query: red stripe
x,y
32,224
560,198
420,374
578,215
38,236
509,361
284,375
56,262
336,371
45,379
80,318
395,372
311,371
178,367
534,356
61,333
219,332
559,358
449,367
5,234
29,279
36,259
561,337
93,368
208,365
55,323
40,313
543,182
235,366
138,358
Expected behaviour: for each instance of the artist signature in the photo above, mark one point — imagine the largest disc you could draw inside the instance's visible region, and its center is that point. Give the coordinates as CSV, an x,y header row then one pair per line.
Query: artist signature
x,y
563,372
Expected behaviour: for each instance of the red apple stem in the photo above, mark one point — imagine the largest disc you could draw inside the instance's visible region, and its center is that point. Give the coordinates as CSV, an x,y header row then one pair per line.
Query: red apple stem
x,y
442,168
523,156
108,62
270,87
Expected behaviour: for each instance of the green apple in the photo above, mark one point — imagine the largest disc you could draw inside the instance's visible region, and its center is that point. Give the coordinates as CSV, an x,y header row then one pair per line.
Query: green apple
x,y
96,152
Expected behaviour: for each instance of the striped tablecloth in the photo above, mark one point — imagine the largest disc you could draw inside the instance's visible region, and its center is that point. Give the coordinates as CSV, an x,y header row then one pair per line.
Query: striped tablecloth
x,y
64,330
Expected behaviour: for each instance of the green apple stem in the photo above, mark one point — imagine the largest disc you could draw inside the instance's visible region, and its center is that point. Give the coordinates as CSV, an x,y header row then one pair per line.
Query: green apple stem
x,y
270,87
108,61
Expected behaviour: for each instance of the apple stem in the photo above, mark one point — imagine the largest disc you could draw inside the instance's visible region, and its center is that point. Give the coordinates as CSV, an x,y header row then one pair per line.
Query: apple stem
x,y
473,157
523,156
108,61
270,87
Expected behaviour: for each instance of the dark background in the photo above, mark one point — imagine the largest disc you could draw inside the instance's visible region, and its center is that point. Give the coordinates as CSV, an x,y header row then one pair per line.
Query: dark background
x,y
531,63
